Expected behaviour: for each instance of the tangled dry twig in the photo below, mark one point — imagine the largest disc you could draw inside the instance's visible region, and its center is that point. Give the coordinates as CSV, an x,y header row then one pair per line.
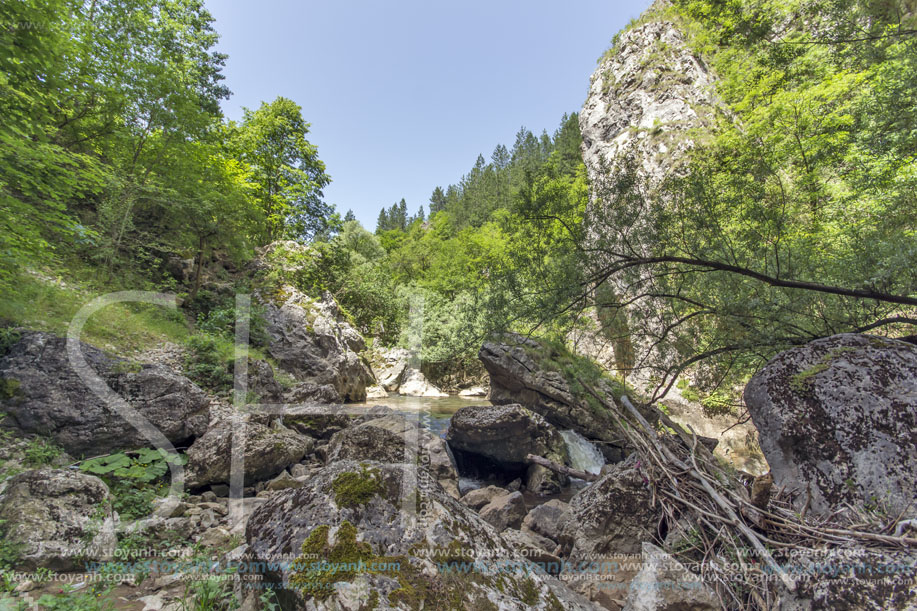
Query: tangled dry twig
x,y
709,500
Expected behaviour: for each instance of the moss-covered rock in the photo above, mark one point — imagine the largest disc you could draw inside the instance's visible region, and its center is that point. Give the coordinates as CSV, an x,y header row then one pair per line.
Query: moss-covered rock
x,y
405,544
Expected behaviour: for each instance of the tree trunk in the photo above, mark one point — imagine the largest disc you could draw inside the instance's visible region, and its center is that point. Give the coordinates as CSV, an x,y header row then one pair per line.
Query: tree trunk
x,y
553,466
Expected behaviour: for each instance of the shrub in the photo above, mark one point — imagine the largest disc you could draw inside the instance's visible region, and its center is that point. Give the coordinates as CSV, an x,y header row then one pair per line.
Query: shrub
x,y
205,363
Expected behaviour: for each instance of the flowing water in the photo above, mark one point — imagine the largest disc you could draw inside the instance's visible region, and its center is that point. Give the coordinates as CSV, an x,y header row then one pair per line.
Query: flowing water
x,y
584,456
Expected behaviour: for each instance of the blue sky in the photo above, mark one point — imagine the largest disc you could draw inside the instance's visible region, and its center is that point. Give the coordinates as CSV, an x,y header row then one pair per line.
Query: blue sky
x,y
403,96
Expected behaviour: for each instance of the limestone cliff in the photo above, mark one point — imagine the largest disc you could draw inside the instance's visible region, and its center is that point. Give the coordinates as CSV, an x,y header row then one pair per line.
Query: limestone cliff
x,y
648,92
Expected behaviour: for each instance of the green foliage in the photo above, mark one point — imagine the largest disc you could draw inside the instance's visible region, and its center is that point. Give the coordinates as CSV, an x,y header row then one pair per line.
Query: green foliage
x,y
807,178
579,372
8,338
207,364
95,598
221,321
10,552
288,175
211,594
49,304
143,465
40,452
132,478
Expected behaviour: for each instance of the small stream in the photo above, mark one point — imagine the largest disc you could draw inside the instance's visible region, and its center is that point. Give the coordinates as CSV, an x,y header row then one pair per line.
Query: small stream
x,y
435,413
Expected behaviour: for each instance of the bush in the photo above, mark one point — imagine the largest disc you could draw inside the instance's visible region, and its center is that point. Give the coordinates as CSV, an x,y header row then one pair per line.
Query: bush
x,y
41,452
206,364
221,321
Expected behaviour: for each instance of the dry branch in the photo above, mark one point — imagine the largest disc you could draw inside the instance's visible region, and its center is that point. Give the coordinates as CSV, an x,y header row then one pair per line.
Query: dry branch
x,y
557,468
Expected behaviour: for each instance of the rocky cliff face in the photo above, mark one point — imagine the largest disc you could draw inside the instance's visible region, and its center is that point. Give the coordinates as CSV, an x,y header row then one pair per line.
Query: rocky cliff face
x,y
648,92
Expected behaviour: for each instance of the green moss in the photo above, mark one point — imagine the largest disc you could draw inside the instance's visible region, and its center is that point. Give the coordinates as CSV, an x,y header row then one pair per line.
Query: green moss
x,y
802,382
9,388
528,592
323,564
352,489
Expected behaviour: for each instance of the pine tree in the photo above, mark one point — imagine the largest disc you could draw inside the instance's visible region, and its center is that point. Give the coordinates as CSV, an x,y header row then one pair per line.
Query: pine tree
x,y
350,216
402,215
437,201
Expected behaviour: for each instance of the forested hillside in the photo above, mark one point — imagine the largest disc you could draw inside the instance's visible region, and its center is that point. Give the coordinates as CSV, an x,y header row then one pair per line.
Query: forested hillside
x,y
115,153
762,193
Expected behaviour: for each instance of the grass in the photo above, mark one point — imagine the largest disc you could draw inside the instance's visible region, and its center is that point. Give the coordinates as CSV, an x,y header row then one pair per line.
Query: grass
x,y
49,304
578,370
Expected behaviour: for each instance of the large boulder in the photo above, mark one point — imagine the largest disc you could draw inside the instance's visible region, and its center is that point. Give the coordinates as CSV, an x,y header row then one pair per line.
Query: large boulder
x,y
310,392
854,578
524,371
323,421
312,340
615,515
389,365
608,522
664,584
267,450
837,420
42,394
262,383
504,511
59,518
374,535
394,439
506,434
548,519
414,384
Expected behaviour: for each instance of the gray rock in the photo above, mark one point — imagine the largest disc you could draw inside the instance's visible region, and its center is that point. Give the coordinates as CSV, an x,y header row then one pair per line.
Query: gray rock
x,y
505,511
376,392
414,384
58,517
310,392
47,397
473,392
534,548
853,578
613,515
215,538
643,102
261,381
838,417
521,372
266,451
476,499
323,421
282,482
389,365
313,341
379,525
548,519
387,439
663,584
506,434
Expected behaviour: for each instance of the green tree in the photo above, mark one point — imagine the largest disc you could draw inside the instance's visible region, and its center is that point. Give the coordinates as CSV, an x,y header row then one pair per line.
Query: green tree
x,y
287,173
